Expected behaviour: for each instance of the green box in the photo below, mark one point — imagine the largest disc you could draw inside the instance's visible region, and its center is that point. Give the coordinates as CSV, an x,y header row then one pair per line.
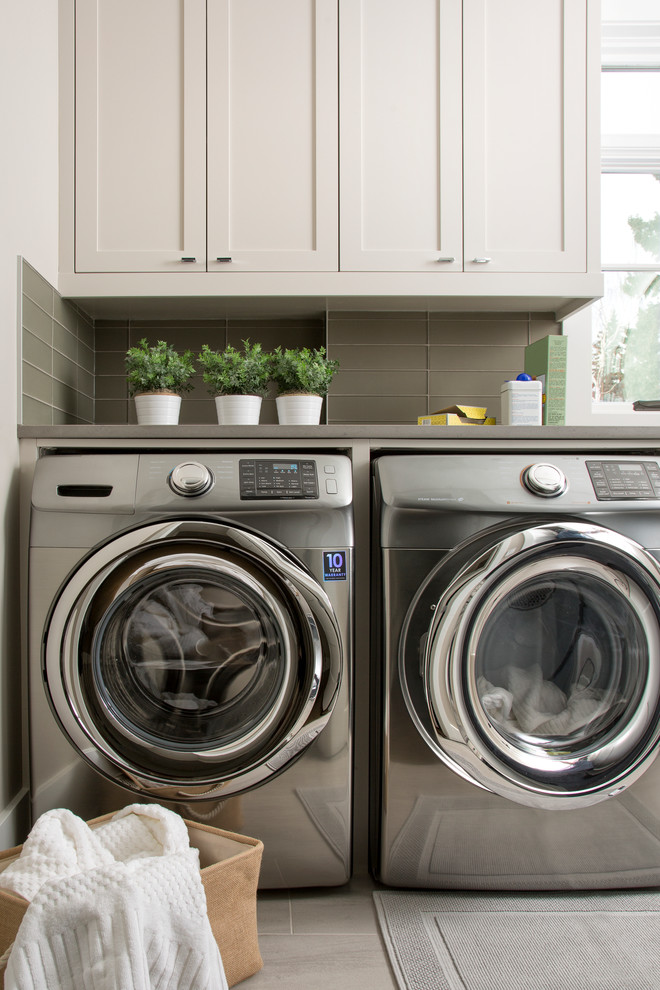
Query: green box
x,y
545,360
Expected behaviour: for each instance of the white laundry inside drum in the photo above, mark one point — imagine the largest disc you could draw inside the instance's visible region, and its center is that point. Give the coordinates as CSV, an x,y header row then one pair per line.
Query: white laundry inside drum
x,y
558,660
197,640
191,662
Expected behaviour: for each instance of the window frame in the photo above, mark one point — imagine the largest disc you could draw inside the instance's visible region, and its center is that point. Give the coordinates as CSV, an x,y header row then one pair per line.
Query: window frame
x,y
626,46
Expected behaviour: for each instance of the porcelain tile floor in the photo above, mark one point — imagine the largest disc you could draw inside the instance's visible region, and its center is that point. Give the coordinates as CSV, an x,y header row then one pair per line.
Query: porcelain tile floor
x,y
321,939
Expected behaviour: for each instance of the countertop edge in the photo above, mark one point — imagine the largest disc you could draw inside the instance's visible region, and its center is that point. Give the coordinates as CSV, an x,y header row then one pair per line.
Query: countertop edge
x,y
350,432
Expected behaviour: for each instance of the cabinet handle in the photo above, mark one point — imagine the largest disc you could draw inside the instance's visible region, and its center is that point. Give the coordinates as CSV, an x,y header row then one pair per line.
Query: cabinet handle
x,y
223,259
445,261
189,260
481,261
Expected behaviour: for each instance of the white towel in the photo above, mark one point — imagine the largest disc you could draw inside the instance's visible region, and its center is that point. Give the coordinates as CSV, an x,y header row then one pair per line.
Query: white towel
x,y
120,907
527,702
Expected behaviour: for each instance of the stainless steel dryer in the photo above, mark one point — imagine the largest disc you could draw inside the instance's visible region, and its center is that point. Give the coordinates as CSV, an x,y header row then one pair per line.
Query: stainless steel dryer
x,y
518,652
190,642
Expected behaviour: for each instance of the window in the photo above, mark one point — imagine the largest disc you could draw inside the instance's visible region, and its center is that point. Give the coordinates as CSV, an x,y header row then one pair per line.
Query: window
x,y
625,323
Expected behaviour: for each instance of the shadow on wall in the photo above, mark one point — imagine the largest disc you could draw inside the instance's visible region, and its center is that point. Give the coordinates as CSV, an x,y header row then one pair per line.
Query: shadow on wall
x,y
13,680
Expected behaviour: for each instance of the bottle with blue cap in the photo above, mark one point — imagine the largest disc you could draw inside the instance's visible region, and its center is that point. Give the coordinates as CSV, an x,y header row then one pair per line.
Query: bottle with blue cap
x,y
522,401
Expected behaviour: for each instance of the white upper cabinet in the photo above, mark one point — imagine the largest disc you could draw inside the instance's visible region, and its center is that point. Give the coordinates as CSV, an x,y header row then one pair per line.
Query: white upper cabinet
x,y
144,116
140,125
524,147
332,151
463,135
401,135
272,135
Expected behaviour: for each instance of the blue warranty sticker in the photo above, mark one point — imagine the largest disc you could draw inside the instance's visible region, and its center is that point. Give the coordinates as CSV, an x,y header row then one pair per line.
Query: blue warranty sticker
x,y
334,565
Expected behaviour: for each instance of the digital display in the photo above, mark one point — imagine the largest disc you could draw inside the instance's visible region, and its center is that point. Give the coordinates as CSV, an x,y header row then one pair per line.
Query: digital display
x,y
280,475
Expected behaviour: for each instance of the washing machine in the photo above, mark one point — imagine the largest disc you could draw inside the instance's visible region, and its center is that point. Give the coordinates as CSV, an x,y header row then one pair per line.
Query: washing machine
x,y
518,662
190,643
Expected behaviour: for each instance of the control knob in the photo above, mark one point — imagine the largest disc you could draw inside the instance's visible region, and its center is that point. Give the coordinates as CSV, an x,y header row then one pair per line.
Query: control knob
x,y
545,480
190,478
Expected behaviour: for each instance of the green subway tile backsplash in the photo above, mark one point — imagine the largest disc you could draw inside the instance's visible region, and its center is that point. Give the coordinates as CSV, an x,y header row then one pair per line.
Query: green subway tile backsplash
x,y
57,356
394,366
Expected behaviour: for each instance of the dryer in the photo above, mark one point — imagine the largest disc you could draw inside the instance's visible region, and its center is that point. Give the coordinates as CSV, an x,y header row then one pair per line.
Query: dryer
x,y
518,657
190,642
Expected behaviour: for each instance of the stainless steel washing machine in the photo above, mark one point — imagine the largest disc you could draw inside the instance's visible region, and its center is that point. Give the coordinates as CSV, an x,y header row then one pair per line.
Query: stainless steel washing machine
x,y
518,656
190,642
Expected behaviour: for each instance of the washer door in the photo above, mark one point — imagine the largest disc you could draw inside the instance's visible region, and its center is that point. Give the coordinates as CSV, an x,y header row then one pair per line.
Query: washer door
x,y
191,659
540,669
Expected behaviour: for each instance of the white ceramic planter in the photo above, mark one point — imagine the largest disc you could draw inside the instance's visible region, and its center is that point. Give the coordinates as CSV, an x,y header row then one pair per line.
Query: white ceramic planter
x,y
238,410
157,408
299,410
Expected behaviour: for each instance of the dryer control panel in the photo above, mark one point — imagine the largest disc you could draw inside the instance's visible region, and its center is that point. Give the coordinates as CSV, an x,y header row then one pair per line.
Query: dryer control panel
x,y
278,478
615,480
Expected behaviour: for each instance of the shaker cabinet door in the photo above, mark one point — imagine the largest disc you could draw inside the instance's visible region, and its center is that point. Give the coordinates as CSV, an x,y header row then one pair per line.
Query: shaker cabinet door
x,y
140,199
463,136
525,167
400,146
334,136
272,135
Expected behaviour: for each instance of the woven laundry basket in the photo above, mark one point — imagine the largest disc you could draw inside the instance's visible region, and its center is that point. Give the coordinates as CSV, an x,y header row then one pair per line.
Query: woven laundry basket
x,y
229,865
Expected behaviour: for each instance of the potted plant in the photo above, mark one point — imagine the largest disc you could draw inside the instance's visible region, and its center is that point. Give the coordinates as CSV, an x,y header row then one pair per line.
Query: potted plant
x,y
302,377
237,379
157,377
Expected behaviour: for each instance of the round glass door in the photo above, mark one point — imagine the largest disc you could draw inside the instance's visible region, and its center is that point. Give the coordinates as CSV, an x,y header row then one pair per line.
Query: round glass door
x,y
542,666
190,655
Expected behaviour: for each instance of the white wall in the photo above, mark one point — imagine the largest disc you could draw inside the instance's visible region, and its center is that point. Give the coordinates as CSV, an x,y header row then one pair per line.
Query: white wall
x,y
28,227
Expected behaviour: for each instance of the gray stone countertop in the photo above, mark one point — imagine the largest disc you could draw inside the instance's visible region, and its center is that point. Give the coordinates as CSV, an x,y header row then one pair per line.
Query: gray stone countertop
x,y
342,432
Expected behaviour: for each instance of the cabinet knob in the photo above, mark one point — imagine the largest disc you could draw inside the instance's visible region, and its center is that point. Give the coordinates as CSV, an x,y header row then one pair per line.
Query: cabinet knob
x,y
481,261
223,259
189,260
445,261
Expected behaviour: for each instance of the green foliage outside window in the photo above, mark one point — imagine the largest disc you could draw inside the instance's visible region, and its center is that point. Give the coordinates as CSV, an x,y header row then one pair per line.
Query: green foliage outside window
x,y
626,356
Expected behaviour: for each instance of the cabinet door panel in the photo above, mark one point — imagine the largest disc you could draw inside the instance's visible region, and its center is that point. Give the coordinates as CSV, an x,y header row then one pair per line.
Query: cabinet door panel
x,y
400,106
272,135
140,135
524,137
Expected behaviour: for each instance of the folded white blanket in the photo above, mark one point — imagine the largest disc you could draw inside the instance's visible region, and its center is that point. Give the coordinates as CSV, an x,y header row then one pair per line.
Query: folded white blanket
x,y
120,907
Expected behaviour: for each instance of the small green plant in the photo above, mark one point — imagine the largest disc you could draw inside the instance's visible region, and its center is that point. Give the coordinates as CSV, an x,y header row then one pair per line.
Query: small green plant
x,y
234,372
158,368
303,370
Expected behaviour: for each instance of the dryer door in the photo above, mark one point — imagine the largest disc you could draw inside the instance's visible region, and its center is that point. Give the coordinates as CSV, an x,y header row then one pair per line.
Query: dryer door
x,y
191,659
540,669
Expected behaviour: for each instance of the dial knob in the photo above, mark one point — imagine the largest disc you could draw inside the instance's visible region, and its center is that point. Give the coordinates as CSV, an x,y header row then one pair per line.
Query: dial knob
x,y
545,480
190,478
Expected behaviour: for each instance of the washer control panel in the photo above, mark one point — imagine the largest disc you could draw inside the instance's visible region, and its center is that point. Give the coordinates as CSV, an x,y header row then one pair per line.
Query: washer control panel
x,y
545,480
616,480
288,478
